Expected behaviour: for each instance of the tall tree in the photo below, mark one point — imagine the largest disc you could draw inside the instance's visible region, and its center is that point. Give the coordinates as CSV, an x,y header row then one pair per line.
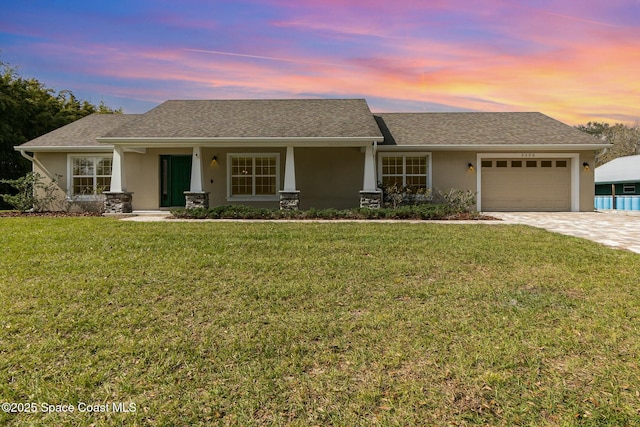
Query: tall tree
x,y
28,109
625,139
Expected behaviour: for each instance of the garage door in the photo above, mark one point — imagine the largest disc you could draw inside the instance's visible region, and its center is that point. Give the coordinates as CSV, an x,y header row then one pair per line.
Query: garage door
x,y
526,185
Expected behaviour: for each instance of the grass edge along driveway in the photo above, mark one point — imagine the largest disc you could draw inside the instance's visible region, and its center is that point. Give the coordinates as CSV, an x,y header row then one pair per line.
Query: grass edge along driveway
x,y
315,324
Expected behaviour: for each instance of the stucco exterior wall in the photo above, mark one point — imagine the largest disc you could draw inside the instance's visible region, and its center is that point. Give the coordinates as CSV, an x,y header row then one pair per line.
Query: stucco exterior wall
x,y
587,181
52,167
450,169
327,177
215,175
143,175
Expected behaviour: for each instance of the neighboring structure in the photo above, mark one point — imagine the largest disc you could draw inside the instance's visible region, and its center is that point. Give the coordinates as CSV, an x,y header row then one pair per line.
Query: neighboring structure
x,y
303,153
618,184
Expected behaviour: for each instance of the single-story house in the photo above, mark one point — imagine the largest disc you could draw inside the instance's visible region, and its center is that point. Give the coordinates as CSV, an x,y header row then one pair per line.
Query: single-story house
x,y
618,184
303,153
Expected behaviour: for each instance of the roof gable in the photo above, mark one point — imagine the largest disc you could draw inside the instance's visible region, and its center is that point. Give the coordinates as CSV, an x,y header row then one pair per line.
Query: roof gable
x,y
278,118
478,129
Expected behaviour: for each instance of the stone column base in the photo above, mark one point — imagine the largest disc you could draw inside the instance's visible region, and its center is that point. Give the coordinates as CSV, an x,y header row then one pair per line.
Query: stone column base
x,y
371,199
199,199
117,202
289,200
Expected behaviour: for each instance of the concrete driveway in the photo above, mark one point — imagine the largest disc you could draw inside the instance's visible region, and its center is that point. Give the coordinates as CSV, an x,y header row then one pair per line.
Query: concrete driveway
x,y
616,229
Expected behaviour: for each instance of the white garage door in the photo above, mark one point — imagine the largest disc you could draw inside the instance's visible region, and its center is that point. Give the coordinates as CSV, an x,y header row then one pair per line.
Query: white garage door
x,y
526,185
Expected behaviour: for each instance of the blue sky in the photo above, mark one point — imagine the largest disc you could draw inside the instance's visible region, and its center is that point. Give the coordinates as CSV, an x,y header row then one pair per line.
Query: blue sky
x,y
575,61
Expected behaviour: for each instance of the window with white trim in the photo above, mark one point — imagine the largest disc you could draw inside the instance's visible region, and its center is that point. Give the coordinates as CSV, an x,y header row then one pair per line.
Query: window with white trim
x,y
407,170
89,175
253,176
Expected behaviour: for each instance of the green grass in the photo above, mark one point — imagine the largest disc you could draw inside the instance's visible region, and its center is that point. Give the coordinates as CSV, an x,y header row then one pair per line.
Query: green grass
x,y
316,324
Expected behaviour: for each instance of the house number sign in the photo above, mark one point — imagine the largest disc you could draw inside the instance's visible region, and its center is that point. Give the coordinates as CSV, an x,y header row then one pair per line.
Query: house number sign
x,y
528,155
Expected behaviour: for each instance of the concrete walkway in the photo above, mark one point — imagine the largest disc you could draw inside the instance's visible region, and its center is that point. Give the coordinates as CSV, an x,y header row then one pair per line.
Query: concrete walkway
x,y
617,229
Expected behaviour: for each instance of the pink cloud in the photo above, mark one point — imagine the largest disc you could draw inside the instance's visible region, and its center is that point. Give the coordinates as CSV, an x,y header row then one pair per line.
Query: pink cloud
x,y
563,84
573,66
568,83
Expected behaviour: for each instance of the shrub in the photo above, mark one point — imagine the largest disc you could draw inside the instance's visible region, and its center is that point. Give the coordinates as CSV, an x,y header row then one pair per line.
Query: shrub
x,y
393,195
415,212
311,213
436,211
287,214
328,214
196,213
32,192
238,212
458,200
368,213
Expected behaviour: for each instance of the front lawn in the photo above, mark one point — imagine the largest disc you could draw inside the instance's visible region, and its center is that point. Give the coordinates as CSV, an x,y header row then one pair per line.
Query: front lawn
x,y
314,324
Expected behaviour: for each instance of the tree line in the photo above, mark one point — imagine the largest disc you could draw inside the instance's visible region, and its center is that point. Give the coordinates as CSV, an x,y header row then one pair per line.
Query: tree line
x,y
625,139
29,109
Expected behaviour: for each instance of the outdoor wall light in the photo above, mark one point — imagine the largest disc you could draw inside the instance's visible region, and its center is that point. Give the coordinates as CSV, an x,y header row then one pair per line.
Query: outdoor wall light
x,y
585,165
214,161
470,167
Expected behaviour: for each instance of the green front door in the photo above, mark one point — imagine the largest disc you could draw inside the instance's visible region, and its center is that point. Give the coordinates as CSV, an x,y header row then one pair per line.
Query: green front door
x,y
175,179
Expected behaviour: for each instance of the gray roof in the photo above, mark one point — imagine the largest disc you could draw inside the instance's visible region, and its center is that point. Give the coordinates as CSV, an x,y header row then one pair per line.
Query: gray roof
x,y
478,129
277,118
314,118
622,169
81,133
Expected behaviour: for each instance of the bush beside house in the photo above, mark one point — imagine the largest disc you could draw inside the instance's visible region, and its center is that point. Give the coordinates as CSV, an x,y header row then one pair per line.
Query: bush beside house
x,y
452,204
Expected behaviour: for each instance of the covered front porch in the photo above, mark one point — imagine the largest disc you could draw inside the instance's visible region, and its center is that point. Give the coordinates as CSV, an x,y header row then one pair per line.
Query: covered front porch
x,y
284,176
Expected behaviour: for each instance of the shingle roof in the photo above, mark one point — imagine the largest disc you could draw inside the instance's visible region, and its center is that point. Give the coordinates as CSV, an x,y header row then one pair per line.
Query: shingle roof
x,y
314,118
622,169
81,133
477,128
280,118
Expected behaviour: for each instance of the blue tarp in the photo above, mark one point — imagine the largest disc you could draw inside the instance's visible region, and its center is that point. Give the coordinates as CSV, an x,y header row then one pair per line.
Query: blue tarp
x,y
623,203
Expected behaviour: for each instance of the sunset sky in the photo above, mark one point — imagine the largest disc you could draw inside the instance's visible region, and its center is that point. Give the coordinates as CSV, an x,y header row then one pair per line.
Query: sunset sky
x,y
576,61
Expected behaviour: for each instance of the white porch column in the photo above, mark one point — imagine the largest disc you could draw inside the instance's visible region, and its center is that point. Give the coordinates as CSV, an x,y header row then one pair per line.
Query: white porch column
x,y
196,197
196,171
370,196
369,181
118,180
118,200
290,171
289,196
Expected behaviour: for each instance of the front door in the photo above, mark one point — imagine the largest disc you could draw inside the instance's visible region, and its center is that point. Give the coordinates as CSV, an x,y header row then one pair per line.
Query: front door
x,y
175,179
